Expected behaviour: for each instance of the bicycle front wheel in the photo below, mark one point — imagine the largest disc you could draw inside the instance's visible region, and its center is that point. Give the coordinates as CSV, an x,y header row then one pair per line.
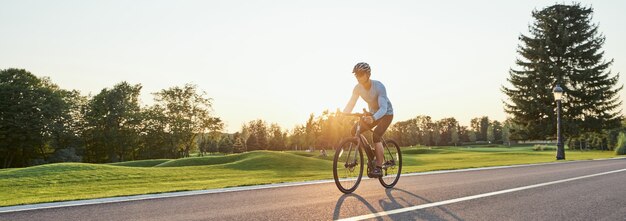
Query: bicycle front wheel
x,y
348,165
392,164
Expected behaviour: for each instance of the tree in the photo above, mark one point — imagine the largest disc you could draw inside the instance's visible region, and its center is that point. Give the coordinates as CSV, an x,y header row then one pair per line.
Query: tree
x,y
312,132
155,141
620,147
471,136
484,127
297,138
258,138
65,131
243,136
252,143
454,136
329,129
73,117
31,110
436,135
226,144
188,114
203,145
213,144
426,130
406,133
277,138
563,48
463,134
113,124
446,126
612,135
238,145
506,134
497,130
491,137
480,125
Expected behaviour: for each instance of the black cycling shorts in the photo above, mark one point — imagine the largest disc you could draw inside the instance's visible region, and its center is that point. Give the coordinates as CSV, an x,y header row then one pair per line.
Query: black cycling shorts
x,y
381,126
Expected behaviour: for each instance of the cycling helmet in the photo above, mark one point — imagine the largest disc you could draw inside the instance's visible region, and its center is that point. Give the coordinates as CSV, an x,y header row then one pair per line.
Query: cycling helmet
x,y
362,66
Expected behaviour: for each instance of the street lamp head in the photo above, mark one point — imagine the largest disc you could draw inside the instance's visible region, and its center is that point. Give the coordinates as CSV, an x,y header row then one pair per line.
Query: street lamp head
x,y
558,93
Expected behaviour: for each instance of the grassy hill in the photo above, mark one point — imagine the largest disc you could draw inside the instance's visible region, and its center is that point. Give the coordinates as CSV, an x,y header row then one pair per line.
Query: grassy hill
x,y
72,181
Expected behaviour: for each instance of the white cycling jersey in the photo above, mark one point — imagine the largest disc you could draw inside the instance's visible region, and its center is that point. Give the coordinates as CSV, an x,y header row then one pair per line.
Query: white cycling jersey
x,y
376,98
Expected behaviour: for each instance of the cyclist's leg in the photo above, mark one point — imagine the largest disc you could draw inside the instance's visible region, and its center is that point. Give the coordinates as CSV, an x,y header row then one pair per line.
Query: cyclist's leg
x,y
381,126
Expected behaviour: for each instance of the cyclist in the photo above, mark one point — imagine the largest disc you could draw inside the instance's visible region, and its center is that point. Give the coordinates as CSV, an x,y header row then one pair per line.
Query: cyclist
x,y
374,93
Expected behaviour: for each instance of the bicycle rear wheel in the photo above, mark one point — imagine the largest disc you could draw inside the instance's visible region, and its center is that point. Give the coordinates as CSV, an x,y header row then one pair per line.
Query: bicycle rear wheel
x,y
348,165
392,164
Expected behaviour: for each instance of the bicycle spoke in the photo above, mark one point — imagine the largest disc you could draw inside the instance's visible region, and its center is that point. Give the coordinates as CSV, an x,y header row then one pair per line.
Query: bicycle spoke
x,y
348,166
392,165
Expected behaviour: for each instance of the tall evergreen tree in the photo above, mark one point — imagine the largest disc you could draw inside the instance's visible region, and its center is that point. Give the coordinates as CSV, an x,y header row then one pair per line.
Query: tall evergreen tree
x,y
238,144
563,48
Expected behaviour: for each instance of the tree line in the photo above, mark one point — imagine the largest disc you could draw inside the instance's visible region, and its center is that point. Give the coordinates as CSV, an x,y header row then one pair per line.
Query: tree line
x,y
422,130
326,130
42,123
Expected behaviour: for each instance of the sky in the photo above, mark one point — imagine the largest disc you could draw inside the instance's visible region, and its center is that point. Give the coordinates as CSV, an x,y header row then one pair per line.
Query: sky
x,y
281,61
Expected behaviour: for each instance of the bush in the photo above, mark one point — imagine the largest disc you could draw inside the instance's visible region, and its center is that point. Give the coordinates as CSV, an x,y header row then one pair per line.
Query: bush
x,y
620,148
539,147
596,141
65,155
36,162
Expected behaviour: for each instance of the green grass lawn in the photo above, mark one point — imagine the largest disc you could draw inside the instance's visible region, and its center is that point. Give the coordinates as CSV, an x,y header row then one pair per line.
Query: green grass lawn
x,y
72,181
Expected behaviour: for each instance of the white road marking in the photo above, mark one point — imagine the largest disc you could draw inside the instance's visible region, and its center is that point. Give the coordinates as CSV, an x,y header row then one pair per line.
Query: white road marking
x,y
435,204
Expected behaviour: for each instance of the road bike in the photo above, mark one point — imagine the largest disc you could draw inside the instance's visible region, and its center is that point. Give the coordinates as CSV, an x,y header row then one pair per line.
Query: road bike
x,y
348,160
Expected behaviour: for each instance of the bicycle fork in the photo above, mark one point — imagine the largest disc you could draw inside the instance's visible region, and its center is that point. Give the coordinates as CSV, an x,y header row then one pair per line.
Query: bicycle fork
x,y
351,164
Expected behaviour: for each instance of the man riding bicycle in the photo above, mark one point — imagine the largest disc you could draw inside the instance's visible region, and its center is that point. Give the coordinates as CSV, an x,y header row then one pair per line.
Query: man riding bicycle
x,y
374,93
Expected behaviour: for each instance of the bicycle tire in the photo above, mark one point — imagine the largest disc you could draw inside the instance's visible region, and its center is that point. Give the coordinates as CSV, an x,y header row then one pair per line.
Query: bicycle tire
x,y
392,164
351,166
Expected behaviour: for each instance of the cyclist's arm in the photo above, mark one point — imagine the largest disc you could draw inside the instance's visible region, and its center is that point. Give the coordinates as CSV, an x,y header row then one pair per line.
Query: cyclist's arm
x,y
351,102
383,102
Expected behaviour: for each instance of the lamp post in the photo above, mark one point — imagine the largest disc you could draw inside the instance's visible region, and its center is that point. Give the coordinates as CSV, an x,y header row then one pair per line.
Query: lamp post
x,y
558,95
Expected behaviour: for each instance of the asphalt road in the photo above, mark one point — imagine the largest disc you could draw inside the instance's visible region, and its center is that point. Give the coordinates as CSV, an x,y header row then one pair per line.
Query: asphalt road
x,y
586,190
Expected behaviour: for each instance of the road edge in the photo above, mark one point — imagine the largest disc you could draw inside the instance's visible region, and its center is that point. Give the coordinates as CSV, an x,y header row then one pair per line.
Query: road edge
x,y
118,199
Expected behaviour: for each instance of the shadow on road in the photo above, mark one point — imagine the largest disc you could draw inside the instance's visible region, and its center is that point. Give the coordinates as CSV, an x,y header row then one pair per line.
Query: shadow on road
x,y
396,199
343,197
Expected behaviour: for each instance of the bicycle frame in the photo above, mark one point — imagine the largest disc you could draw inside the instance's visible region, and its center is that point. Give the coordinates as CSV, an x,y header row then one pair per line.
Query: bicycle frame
x,y
363,143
